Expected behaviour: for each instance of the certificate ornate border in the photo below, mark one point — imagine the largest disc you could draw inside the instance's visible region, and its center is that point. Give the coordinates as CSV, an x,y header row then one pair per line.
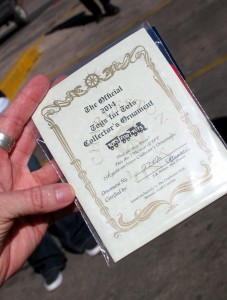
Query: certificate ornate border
x,y
93,80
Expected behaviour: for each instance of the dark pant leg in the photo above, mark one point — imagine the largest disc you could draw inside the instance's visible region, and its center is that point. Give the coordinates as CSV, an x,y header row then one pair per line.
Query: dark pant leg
x,y
92,6
73,233
104,2
47,256
109,8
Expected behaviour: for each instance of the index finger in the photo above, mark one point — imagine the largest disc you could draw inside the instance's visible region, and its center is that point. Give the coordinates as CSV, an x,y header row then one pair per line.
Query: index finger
x,y
13,120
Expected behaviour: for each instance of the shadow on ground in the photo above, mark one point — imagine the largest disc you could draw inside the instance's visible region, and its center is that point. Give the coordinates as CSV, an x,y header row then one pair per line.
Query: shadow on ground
x,y
8,34
80,19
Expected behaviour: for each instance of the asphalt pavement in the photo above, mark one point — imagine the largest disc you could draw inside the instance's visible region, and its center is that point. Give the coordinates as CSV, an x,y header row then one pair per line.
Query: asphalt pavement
x,y
189,262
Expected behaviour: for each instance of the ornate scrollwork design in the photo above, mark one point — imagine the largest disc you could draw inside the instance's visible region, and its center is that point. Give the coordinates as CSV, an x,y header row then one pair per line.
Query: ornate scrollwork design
x,y
93,80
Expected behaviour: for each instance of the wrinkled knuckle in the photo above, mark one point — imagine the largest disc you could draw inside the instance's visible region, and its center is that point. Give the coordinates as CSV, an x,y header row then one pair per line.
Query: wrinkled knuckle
x,y
38,199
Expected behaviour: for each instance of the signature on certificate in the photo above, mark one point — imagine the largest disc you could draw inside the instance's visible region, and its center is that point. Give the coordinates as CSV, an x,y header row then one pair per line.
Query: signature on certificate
x,y
159,162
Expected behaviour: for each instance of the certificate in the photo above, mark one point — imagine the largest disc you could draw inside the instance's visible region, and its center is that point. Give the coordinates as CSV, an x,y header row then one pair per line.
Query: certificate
x,y
131,139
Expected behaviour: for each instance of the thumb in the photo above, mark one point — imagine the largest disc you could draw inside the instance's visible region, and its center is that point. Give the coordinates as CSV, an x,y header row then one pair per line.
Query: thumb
x,y
36,200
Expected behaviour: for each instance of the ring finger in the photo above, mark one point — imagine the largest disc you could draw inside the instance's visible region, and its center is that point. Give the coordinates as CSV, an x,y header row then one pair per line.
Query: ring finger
x,y
13,120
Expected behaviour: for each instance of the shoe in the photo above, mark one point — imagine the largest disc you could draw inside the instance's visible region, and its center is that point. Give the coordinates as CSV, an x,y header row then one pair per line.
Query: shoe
x,y
98,17
111,10
52,280
93,252
90,247
74,235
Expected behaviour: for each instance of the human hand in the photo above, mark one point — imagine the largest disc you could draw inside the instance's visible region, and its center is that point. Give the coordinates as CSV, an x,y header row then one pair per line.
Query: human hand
x,y
29,202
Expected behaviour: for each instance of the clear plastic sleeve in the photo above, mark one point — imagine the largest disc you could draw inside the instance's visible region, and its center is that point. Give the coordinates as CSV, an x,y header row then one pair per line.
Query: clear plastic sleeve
x,y
141,215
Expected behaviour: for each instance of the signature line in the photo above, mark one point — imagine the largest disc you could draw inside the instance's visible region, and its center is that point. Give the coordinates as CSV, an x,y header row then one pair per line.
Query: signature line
x,y
147,175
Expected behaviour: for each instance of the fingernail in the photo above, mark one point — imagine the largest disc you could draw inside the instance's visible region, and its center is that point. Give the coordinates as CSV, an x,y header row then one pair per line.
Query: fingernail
x,y
64,192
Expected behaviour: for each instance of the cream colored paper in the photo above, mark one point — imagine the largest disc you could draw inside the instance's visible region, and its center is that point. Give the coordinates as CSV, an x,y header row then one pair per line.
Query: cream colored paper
x,y
128,136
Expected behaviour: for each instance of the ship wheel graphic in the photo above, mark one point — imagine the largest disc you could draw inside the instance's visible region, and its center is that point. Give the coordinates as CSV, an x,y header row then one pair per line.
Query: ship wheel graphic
x,y
92,80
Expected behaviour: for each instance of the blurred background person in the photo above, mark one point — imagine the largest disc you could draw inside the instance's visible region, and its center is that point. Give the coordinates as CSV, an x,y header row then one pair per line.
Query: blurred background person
x,y
49,260
109,8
